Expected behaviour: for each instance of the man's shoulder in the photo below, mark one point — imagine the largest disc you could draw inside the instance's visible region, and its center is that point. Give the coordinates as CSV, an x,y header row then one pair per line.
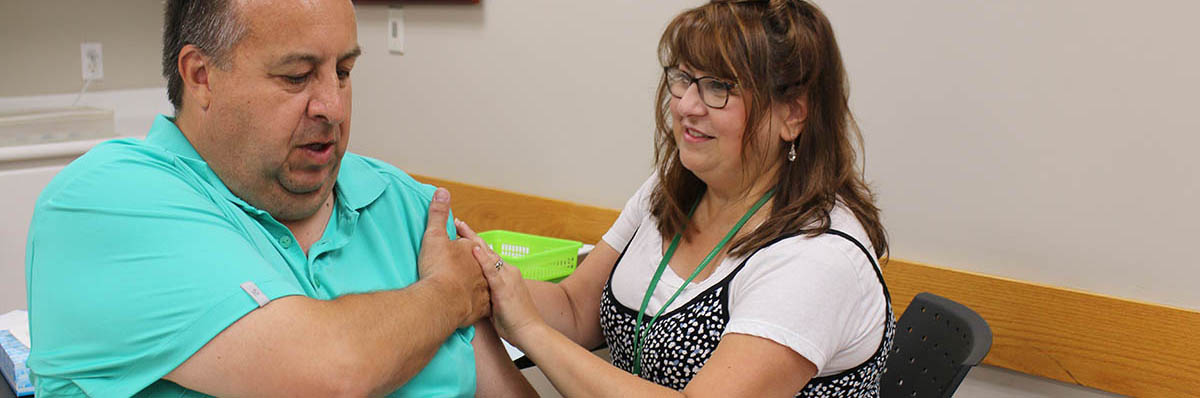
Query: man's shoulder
x,y
116,171
395,178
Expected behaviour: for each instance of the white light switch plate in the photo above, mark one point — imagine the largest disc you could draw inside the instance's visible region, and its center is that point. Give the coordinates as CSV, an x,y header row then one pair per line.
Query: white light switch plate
x,y
395,30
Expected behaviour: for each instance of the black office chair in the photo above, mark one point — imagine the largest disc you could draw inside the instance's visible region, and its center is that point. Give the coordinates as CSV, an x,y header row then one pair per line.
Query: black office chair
x,y
937,342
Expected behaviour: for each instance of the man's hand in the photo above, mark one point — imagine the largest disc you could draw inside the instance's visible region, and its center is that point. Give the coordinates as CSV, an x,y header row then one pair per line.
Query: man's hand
x,y
451,266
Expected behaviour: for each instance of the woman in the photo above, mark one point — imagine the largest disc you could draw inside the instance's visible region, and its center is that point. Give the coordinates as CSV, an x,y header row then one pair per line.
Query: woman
x,y
748,253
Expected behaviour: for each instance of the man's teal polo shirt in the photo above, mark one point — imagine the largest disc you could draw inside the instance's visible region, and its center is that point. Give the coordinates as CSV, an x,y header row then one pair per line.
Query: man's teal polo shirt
x,y
137,255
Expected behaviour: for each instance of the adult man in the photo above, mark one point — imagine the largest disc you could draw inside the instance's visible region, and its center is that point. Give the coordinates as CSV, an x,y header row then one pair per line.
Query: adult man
x,y
236,251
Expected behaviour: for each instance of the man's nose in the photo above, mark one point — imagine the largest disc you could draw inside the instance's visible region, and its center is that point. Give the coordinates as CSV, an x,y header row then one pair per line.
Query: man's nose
x,y
327,102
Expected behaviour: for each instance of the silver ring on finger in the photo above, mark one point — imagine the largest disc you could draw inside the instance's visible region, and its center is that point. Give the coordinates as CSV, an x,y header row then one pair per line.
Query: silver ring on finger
x,y
499,264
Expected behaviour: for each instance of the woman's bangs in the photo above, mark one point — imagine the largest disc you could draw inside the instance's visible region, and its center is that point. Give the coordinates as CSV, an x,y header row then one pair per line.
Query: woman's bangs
x,y
694,39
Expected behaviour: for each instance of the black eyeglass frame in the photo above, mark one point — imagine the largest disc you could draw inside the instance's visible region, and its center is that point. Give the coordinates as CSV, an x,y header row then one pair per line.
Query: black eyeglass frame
x,y
700,88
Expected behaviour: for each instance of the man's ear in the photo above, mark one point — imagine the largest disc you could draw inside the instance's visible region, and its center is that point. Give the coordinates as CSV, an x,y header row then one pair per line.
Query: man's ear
x,y
194,67
795,113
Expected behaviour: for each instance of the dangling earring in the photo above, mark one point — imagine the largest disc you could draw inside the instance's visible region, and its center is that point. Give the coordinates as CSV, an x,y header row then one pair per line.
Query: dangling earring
x,y
792,152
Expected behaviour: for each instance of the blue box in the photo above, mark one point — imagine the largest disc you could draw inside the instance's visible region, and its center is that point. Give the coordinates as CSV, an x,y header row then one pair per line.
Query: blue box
x,y
12,364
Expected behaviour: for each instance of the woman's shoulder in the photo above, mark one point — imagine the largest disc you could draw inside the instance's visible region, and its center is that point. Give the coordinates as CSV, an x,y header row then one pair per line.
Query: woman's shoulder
x,y
826,262
649,185
844,226
639,201
840,244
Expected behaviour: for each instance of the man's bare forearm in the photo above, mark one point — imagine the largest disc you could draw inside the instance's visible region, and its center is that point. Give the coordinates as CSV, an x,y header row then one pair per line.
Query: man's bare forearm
x,y
356,345
395,333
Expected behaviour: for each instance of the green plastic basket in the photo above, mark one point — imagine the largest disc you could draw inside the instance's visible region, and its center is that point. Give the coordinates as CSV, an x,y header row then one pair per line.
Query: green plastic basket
x,y
538,257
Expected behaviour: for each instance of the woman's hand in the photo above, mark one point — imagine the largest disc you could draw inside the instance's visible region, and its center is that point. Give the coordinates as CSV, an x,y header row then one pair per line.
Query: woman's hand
x,y
513,311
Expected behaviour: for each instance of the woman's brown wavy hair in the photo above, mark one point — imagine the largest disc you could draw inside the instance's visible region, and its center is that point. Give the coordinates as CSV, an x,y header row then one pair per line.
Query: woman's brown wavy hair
x,y
778,52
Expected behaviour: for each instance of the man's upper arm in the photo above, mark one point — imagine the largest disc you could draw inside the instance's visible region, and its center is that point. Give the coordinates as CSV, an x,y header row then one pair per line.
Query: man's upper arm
x,y
131,271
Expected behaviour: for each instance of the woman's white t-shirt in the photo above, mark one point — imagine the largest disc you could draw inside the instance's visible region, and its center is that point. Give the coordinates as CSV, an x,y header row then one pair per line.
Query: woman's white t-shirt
x,y
819,296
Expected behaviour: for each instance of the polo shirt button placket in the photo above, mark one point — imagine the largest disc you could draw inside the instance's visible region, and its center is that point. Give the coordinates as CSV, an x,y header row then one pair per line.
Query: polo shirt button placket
x,y
286,242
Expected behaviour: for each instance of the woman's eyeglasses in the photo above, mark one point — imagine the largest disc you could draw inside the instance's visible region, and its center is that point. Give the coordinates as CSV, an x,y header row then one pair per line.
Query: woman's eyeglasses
x,y
713,92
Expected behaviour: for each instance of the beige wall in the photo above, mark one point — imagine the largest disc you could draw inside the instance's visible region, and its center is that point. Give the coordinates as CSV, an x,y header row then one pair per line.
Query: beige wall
x,y
39,44
547,97
1048,141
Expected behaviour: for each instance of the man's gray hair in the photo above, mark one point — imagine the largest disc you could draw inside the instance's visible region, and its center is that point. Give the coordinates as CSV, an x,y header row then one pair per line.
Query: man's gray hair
x,y
210,25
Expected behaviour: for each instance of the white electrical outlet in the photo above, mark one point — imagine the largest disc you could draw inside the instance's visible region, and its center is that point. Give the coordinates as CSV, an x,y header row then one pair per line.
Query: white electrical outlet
x,y
395,30
93,61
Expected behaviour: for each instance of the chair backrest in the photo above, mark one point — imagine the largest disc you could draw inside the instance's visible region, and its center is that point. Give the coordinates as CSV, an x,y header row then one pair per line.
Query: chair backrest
x,y
937,342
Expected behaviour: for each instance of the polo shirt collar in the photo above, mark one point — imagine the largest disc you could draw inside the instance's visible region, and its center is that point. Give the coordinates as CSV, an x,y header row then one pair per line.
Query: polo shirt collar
x,y
165,134
358,184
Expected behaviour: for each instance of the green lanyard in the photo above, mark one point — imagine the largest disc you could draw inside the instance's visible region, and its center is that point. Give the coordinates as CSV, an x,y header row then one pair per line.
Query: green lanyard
x,y
662,266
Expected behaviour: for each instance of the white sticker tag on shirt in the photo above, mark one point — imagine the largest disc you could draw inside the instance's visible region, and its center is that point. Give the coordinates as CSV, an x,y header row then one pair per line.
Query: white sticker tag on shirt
x,y
255,293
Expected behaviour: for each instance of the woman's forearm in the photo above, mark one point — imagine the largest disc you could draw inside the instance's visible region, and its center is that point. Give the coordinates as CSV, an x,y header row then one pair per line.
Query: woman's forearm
x,y
576,372
554,304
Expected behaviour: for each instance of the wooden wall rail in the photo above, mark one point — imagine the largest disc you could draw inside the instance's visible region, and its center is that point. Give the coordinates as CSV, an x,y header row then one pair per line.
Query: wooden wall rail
x,y
1107,343
1112,344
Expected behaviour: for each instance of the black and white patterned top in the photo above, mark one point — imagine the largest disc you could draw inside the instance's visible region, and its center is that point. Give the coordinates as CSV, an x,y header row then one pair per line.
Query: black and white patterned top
x,y
682,340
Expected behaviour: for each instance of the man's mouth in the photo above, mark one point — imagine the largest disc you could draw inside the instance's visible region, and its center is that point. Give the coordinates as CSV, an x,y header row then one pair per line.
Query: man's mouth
x,y
317,153
317,146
